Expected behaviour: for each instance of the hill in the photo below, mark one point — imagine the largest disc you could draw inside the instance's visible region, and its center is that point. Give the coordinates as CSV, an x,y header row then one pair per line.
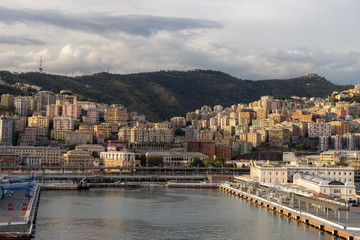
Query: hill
x,y
162,95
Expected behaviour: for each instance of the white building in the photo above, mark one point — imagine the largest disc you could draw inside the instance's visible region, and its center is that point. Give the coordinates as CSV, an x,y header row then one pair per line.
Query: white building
x,y
267,173
64,123
341,174
323,185
141,135
316,130
33,161
21,106
119,159
324,143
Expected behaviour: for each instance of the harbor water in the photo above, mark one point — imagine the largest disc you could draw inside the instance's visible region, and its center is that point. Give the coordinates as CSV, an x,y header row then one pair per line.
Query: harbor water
x,y
160,213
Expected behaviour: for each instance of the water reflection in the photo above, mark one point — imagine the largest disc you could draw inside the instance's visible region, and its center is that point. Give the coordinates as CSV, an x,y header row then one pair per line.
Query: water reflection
x,y
156,213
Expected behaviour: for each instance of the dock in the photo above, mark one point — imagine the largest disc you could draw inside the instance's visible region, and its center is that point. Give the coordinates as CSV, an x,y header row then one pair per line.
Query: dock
x,y
58,187
342,230
18,214
192,185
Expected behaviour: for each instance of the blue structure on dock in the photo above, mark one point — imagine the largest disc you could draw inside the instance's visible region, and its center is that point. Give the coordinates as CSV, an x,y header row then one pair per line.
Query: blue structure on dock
x,y
26,184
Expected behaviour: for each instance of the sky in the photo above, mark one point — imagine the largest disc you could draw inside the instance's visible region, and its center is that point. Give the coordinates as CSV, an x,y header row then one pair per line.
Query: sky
x,y
262,39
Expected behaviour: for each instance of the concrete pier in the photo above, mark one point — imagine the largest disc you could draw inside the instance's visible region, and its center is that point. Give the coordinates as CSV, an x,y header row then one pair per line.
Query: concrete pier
x,y
344,231
18,214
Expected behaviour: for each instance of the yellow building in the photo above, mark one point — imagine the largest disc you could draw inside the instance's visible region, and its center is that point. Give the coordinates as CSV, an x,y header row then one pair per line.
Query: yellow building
x,y
340,128
101,132
178,122
78,158
58,134
38,121
50,156
116,115
328,157
331,157
78,137
254,138
7,100
278,137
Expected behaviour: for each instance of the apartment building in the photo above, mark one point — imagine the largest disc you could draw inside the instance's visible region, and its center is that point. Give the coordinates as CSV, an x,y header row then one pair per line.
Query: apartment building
x,y
71,110
178,122
116,115
7,100
64,123
21,106
53,110
140,134
39,121
78,137
78,158
50,156
317,129
6,131
278,137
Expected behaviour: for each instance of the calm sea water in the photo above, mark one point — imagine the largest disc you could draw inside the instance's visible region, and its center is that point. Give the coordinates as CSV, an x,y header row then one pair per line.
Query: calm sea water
x,y
157,213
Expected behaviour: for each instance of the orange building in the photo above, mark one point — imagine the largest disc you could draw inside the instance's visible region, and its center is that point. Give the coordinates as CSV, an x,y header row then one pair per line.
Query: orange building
x,y
249,114
210,149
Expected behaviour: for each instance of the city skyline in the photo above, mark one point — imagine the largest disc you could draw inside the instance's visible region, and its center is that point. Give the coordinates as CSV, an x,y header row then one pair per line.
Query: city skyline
x,y
245,39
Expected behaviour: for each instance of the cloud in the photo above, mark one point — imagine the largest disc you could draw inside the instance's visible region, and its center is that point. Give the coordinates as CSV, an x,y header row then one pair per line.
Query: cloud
x,y
102,23
20,40
169,51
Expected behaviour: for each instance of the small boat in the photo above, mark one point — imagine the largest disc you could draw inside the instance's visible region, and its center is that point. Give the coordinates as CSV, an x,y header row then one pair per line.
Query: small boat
x,y
83,186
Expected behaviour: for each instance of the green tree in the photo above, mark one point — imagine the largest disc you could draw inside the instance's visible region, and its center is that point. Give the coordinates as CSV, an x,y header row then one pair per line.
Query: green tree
x,y
72,147
179,132
343,162
303,146
142,159
155,161
218,162
197,162
95,154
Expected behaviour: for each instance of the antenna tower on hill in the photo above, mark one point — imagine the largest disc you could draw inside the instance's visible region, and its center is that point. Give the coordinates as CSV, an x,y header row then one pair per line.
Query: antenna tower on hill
x,y
40,65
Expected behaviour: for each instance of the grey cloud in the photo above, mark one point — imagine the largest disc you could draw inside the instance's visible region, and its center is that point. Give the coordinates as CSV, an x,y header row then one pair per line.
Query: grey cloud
x,y
335,60
101,23
20,40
